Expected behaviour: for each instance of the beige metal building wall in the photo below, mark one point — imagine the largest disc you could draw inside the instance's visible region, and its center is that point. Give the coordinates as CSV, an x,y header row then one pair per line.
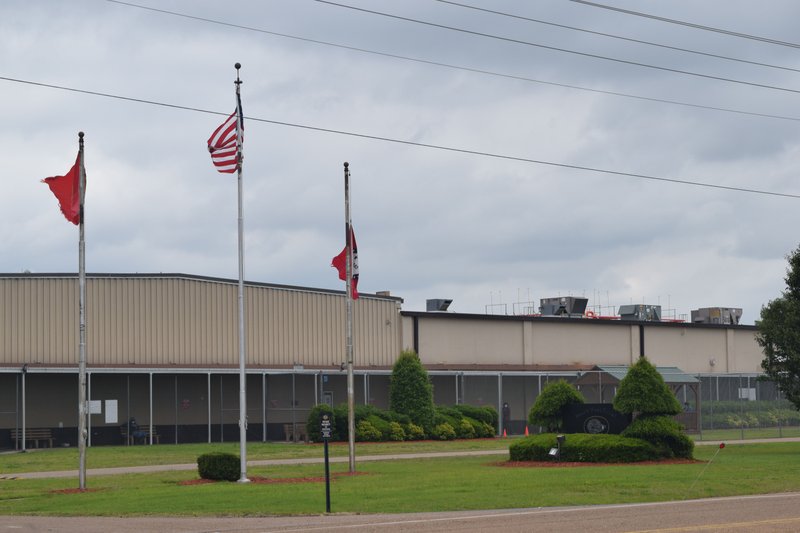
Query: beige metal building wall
x,y
188,322
463,340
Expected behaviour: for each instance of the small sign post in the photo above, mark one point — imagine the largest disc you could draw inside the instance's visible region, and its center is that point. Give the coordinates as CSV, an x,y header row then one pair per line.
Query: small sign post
x,y
325,432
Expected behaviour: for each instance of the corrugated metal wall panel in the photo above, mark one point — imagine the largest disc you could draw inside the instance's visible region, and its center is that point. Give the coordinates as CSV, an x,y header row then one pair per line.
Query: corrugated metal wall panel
x,y
184,321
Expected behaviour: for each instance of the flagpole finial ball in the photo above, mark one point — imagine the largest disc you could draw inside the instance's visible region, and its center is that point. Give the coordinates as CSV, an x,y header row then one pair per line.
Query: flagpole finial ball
x,y
346,164
238,66
80,134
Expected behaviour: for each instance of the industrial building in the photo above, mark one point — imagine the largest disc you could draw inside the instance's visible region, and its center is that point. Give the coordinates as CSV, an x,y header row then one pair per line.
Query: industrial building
x,y
162,348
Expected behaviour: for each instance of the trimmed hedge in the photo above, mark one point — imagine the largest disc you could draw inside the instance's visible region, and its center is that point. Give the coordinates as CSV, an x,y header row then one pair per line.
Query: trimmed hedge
x,y
219,466
373,424
581,447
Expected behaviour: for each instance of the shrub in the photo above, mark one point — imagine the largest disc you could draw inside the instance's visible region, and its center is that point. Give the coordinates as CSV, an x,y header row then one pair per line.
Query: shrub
x,y
219,466
486,414
465,429
548,407
443,432
381,424
664,433
365,431
486,431
643,391
396,431
579,447
312,422
414,432
411,392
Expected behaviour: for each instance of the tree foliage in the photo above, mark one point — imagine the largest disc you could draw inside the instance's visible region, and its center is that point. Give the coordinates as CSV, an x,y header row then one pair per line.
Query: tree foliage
x,y
547,410
643,391
779,334
411,391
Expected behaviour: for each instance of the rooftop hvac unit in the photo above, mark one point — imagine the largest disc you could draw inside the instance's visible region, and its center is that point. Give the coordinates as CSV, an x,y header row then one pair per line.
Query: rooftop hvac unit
x,y
437,304
640,312
571,306
717,315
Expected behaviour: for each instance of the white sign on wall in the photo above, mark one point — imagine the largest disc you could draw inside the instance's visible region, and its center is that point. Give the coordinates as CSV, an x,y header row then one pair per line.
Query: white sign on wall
x,y
111,411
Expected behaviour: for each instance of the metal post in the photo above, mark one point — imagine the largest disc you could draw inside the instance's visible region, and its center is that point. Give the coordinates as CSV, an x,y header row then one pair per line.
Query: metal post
x,y
82,411
263,407
503,422
89,410
24,401
208,401
242,349
150,409
351,424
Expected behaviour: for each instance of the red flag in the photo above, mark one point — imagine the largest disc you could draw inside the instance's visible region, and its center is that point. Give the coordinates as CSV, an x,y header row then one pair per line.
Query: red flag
x,y
226,141
67,190
340,263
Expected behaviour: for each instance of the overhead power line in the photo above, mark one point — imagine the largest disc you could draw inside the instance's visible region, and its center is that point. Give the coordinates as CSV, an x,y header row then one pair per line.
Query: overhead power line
x,y
690,24
455,67
558,49
620,37
480,153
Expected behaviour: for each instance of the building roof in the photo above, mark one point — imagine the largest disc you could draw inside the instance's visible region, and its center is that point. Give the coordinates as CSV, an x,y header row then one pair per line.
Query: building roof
x,y
671,374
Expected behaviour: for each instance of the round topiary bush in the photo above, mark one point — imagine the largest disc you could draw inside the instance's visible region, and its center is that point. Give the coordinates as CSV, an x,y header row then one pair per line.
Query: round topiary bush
x,y
219,466
664,432
548,408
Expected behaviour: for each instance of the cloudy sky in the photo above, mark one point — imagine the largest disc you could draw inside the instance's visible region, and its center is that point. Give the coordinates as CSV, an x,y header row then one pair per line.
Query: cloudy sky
x,y
492,230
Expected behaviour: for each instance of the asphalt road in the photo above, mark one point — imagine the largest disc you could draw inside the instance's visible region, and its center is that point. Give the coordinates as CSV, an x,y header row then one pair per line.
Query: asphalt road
x,y
756,514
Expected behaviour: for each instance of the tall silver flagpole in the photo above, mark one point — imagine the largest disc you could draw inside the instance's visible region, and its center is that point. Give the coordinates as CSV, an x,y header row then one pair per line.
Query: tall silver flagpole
x,y
82,406
242,351
351,414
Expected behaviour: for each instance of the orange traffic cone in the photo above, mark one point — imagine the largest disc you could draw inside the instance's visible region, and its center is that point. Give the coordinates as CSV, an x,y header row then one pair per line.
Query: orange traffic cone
x,y
526,431
504,433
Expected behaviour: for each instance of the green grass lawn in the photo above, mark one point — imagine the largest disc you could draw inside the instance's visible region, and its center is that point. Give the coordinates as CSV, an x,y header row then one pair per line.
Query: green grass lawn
x,y
417,485
748,433
50,459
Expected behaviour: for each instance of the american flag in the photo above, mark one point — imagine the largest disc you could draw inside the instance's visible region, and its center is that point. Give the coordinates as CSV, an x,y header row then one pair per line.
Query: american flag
x,y
226,141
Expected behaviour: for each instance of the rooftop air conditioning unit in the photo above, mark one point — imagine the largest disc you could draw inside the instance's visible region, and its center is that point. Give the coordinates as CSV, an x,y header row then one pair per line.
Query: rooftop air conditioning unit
x,y
717,315
437,304
569,306
640,312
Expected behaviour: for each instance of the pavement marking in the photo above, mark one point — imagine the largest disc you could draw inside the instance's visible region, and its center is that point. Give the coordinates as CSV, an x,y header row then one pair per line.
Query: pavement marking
x,y
716,527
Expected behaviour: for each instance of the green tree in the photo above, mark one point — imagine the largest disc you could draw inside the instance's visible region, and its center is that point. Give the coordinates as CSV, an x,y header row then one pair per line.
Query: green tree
x,y
643,391
547,410
779,334
644,394
411,391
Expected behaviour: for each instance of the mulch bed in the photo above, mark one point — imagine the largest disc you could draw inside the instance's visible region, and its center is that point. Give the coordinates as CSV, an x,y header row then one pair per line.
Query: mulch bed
x,y
73,491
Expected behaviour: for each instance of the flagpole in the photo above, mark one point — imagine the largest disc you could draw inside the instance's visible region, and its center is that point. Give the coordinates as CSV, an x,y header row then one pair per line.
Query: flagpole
x,y
351,416
82,406
242,351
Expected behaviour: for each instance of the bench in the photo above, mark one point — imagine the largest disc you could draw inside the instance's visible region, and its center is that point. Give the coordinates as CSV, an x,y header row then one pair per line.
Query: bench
x,y
145,430
296,433
33,435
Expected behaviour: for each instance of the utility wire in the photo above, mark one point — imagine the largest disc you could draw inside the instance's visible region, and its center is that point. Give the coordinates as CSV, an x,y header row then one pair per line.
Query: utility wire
x,y
413,143
456,67
558,49
691,24
620,37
